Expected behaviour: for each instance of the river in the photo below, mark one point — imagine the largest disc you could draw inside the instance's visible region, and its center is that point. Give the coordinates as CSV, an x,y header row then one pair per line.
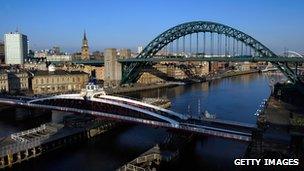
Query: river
x,y
235,98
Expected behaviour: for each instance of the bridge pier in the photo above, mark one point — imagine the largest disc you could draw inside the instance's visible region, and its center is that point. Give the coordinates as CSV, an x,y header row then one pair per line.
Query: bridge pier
x,y
57,116
26,153
10,160
113,69
19,157
1,162
34,152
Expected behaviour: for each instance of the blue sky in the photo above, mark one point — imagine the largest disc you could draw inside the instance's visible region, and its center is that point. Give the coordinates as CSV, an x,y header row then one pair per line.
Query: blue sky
x,y
130,23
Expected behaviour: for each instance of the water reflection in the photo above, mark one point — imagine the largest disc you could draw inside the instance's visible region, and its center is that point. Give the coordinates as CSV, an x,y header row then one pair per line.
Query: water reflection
x,y
235,98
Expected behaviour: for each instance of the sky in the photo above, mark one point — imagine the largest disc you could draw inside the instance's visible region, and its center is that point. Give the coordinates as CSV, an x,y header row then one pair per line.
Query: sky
x,y
278,24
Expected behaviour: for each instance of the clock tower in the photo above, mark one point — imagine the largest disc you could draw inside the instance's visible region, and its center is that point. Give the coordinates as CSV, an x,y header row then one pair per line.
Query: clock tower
x,y
85,54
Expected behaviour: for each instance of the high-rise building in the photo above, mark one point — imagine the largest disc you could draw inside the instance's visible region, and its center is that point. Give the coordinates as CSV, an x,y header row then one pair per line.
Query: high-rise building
x,y
16,48
85,54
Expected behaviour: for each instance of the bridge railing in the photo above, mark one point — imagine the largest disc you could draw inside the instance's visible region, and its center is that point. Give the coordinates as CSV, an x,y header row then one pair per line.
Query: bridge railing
x,y
218,132
21,146
144,106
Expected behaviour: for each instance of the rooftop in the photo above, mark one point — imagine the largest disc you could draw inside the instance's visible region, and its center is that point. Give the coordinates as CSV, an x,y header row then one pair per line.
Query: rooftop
x,y
56,72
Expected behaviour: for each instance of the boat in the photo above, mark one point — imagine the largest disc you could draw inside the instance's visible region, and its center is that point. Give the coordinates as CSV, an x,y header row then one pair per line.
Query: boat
x,y
207,115
160,102
176,83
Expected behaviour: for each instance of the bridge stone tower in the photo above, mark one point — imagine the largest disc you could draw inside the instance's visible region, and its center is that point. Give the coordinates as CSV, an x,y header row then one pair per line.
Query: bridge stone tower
x,y
85,54
113,69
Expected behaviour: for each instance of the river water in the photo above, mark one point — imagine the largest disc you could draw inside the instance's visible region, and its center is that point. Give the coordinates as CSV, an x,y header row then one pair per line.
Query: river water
x,y
235,98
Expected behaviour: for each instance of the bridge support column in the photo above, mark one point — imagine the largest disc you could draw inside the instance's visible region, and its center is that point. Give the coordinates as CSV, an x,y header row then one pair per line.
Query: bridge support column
x,y
113,69
209,66
34,152
1,162
10,160
26,153
19,157
57,116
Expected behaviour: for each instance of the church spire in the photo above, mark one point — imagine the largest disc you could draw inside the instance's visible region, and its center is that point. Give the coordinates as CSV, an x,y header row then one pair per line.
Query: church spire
x,y
85,54
84,35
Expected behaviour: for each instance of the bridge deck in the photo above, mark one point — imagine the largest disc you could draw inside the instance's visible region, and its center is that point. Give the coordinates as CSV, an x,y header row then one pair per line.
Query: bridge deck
x,y
215,58
220,128
194,58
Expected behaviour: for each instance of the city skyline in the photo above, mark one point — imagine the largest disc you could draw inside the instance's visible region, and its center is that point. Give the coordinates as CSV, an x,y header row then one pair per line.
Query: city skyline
x,y
107,26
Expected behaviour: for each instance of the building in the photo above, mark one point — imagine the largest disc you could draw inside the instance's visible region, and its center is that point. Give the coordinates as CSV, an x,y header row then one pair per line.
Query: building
x,y
3,82
57,81
40,54
56,50
16,48
59,58
148,78
139,49
112,70
18,81
2,54
202,69
96,72
244,66
76,56
85,54
173,70
35,65
96,55
125,53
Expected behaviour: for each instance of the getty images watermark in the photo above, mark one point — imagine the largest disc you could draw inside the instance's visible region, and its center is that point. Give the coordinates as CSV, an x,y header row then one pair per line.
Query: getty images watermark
x,y
266,162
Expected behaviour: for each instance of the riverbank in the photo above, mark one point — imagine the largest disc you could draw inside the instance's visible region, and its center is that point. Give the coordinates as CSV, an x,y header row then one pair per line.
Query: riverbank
x,y
282,131
142,87
285,106
285,115
230,74
138,87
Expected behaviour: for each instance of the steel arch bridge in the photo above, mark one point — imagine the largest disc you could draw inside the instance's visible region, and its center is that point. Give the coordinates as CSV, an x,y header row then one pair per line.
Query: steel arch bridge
x,y
132,72
294,54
